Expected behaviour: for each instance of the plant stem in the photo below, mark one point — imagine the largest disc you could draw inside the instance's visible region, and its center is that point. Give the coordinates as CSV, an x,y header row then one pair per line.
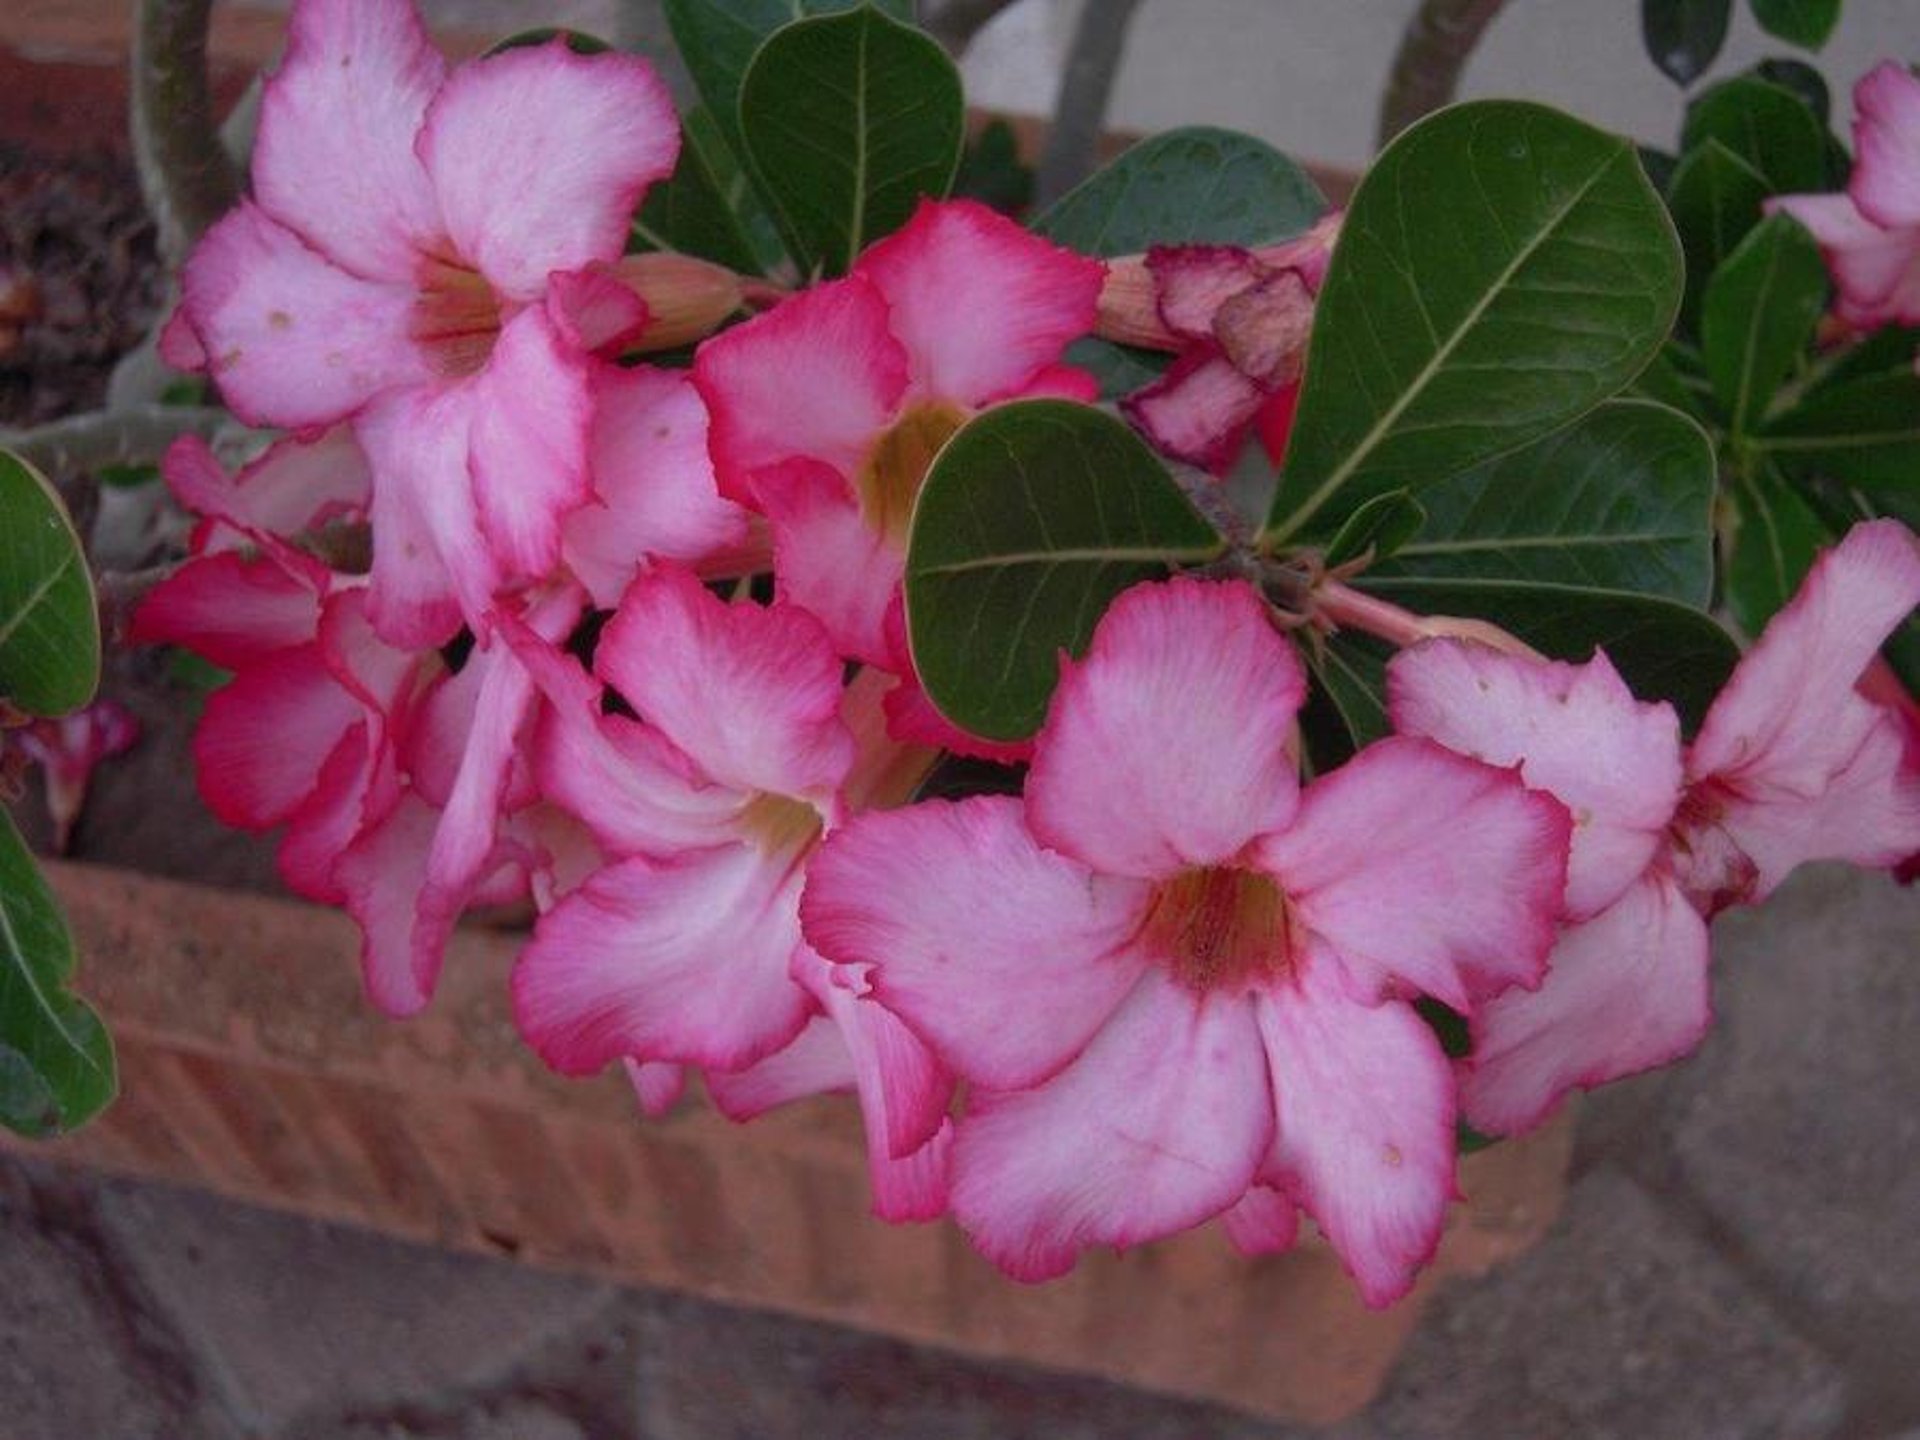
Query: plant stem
x,y
136,436
1433,51
1099,42
186,175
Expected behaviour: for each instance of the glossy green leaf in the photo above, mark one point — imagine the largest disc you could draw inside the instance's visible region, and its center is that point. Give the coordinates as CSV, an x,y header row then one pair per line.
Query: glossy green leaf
x,y
1502,270
580,42
1890,349
1191,186
1620,500
49,628
1803,80
1777,537
1684,36
1665,382
1864,433
1715,198
1806,23
1032,519
703,207
56,1062
1378,529
1664,650
848,121
1758,318
1346,707
717,40
992,172
1769,127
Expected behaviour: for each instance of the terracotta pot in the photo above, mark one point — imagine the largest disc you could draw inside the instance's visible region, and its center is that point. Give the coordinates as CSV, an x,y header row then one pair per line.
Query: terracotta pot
x,y
251,1065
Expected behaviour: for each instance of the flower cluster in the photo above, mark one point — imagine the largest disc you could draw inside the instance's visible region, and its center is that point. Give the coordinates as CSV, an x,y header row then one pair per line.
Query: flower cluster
x,y
1169,981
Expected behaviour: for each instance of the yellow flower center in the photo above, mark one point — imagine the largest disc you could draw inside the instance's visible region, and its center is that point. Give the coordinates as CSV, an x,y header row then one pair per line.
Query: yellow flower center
x,y
890,481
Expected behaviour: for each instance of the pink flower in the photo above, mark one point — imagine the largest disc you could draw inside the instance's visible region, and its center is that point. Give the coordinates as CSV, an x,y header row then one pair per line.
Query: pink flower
x,y
1871,234
1791,764
1176,983
68,748
421,256
828,410
1238,321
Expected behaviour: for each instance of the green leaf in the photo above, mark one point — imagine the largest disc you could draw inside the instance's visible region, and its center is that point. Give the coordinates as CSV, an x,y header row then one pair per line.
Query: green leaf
x,y
1715,199
1769,127
1663,649
1890,348
1346,707
580,42
1803,80
56,1063
1774,546
1759,315
992,172
1118,369
49,627
1032,519
1620,501
1191,186
848,120
1863,432
700,209
1806,23
1501,270
717,39
1684,36
1665,382
1377,529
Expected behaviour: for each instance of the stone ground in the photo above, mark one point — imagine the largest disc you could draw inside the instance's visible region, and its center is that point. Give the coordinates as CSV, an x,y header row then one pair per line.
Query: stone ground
x,y
1738,1259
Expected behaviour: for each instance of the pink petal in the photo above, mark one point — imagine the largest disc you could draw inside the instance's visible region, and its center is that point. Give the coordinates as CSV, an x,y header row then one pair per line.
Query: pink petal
x,y
1169,746
1624,992
331,817
828,560
1192,282
1004,957
179,347
1789,716
292,339
333,155
1264,329
1886,141
982,306
1062,382
431,568
634,791
1158,1125
528,444
265,735
381,875
1199,411
1876,270
1575,731
911,718
818,377
905,1091
815,1062
1418,865
235,611
1365,1139
1262,1222
539,158
295,486
658,1088
683,959
655,493
750,693
593,311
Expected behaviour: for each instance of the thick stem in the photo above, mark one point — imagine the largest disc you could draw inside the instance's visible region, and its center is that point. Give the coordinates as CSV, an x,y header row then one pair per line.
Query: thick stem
x,y
186,175
1099,43
138,436
1433,52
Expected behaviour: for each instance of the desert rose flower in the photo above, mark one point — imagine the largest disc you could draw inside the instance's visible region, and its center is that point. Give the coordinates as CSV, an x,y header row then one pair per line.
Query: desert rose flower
x,y
67,749
1177,983
424,254
1791,764
828,409
1871,234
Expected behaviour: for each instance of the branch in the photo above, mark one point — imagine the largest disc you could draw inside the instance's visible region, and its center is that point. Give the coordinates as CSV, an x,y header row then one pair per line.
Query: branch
x,y
1099,42
185,173
955,23
1433,52
84,443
